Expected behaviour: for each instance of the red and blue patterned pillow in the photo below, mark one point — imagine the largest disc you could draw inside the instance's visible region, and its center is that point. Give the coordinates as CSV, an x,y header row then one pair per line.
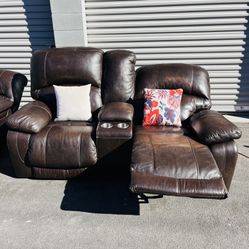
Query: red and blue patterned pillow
x,y
162,107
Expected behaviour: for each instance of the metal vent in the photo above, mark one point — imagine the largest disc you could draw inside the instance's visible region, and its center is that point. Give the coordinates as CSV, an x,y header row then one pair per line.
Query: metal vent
x,y
210,33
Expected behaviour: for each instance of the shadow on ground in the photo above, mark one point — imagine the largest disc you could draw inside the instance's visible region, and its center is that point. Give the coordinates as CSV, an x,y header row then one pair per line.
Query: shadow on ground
x,y
5,164
94,192
103,188
100,196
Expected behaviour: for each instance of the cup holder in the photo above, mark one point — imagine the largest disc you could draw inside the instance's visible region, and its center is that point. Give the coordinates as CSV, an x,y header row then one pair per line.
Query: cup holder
x,y
106,125
122,125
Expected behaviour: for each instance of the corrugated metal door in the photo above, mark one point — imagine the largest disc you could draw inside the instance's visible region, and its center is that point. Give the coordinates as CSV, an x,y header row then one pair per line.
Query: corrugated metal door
x,y
210,33
25,26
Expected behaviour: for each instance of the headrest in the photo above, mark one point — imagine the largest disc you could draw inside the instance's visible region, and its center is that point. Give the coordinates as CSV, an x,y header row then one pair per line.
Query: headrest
x,y
66,66
193,79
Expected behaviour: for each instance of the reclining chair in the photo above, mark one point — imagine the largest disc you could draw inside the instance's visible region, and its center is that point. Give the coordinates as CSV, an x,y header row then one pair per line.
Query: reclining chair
x,y
43,148
11,89
196,160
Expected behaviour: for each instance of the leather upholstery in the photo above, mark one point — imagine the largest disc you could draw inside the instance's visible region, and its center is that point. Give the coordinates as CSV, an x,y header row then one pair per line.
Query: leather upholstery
x,y
66,66
114,132
178,161
18,145
63,145
168,163
31,118
5,103
165,160
45,173
118,76
194,81
110,140
116,111
4,116
144,130
225,155
11,89
65,149
211,127
11,86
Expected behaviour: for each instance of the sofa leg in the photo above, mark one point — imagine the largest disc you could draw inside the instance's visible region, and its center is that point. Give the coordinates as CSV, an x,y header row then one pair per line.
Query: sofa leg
x,y
145,198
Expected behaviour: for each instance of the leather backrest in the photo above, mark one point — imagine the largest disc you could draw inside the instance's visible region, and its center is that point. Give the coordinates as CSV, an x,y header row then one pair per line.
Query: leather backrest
x,y
193,79
118,76
66,66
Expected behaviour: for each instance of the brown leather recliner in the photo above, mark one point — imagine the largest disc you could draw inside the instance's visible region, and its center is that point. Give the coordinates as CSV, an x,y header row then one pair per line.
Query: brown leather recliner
x,y
197,160
42,148
11,89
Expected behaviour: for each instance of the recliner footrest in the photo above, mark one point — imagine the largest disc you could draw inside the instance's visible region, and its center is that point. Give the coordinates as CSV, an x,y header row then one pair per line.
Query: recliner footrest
x,y
174,164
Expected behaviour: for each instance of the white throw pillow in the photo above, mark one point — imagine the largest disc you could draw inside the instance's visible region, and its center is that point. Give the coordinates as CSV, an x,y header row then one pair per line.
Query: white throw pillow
x,y
73,103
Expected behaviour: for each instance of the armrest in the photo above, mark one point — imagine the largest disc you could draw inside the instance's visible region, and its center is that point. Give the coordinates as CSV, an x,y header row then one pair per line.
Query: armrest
x,y
211,127
116,111
5,103
11,86
31,118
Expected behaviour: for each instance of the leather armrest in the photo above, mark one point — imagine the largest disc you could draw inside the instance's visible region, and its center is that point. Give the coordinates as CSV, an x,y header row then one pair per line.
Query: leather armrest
x,y
211,127
116,111
5,103
31,118
11,86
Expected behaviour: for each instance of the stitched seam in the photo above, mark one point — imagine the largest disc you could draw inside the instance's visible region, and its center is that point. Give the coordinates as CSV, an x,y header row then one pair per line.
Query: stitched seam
x,y
225,161
44,65
44,110
17,148
46,139
5,115
196,162
153,153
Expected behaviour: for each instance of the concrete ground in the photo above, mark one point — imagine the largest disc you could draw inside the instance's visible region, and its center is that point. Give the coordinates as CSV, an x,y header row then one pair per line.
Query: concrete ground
x,y
98,213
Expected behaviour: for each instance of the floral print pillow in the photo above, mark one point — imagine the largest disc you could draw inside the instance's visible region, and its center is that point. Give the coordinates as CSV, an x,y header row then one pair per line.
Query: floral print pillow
x,y
162,107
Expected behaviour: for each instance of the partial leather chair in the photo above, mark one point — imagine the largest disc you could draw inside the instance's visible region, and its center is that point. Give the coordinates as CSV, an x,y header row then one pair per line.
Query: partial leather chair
x,y
11,89
196,160
42,148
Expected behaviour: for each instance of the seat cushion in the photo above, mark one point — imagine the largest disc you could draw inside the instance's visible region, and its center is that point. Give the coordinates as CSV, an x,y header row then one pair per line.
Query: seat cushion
x,y
63,145
172,163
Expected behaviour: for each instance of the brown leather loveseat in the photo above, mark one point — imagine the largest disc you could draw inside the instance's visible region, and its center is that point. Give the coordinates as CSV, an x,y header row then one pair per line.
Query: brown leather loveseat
x,y
195,160
11,89
42,148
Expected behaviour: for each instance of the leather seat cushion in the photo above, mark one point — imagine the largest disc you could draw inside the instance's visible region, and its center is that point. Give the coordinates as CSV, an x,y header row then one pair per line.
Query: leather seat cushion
x,y
171,163
63,145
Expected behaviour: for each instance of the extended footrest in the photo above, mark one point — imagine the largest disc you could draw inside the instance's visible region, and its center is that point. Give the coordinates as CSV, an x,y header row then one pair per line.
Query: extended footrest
x,y
174,164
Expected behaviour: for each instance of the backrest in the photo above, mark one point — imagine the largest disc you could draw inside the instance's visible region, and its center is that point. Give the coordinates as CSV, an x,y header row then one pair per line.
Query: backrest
x,y
193,79
66,66
81,66
118,76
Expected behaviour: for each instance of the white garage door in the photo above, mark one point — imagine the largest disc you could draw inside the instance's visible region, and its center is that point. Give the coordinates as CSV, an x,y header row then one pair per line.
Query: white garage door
x,y
25,26
210,33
